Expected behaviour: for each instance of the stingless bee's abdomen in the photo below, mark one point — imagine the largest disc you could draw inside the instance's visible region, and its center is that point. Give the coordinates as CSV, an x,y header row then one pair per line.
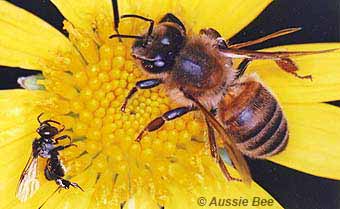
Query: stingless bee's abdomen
x,y
54,168
254,118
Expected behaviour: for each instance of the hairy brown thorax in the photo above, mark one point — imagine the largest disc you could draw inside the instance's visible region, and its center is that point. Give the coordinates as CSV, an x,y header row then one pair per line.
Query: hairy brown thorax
x,y
200,70
199,67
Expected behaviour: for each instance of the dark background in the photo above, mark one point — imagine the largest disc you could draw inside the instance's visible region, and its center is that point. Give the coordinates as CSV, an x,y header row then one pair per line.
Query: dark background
x,y
320,20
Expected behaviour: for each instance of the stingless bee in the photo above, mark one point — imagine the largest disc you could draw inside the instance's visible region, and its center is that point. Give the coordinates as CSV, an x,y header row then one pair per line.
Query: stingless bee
x,y
44,147
199,74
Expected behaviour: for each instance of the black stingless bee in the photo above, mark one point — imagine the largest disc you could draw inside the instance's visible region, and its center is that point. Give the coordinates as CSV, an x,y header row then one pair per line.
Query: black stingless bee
x,y
46,147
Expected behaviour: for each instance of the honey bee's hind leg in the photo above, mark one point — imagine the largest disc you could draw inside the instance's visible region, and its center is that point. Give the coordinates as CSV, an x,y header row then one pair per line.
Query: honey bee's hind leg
x,y
157,123
289,66
216,155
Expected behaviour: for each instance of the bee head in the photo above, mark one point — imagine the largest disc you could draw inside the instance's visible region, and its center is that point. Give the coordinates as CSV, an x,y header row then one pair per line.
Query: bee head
x,y
46,130
157,50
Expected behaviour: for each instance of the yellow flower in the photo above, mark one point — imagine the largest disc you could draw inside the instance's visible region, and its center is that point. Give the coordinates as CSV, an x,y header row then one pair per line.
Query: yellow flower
x,y
87,76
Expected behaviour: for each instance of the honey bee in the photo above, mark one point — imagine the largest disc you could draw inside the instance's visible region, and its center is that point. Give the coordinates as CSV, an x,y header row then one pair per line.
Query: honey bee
x,y
44,147
199,74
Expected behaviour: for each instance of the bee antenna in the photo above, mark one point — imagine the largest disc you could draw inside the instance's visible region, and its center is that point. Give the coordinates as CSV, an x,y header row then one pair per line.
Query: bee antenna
x,y
142,18
38,118
58,189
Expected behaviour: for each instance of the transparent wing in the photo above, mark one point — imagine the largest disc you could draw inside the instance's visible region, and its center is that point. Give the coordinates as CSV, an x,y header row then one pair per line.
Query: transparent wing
x,y
28,183
229,145
279,55
265,38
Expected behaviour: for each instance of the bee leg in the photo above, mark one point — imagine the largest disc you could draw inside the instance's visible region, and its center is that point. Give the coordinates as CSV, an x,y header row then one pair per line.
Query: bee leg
x,y
215,35
144,84
62,128
289,66
58,148
122,205
285,64
66,184
62,138
241,68
170,115
216,155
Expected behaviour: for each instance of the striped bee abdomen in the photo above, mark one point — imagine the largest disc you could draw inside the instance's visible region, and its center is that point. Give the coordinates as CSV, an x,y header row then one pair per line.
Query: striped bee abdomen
x,y
254,118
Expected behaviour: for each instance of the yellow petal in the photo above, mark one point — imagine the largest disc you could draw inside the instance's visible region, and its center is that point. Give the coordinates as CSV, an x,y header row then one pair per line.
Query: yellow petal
x,y
18,114
228,17
314,145
204,197
17,131
323,67
73,197
88,15
26,41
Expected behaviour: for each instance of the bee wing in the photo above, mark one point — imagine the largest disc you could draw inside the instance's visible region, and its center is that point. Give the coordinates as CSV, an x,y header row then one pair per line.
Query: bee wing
x,y
279,55
265,38
229,145
28,183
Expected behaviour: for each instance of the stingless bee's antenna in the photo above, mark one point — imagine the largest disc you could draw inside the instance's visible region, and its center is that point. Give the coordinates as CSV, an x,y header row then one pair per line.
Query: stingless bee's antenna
x,y
38,118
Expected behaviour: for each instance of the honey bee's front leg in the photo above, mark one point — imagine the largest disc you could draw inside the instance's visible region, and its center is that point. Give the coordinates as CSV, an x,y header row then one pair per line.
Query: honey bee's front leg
x,y
144,84
170,115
